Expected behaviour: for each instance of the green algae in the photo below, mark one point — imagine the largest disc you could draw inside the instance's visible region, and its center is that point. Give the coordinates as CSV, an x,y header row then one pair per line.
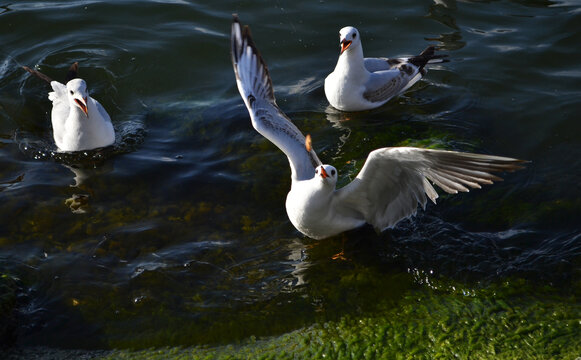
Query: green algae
x,y
493,323
343,312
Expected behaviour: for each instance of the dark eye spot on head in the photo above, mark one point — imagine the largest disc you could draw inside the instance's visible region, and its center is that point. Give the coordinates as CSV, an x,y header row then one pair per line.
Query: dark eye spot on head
x,y
316,171
72,92
354,35
333,172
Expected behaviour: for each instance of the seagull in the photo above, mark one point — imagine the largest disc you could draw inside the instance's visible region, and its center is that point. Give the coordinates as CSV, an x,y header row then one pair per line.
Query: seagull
x,y
79,122
359,83
389,187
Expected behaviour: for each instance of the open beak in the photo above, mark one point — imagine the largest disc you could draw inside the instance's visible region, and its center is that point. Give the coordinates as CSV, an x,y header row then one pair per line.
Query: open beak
x,y
324,173
83,105
345,45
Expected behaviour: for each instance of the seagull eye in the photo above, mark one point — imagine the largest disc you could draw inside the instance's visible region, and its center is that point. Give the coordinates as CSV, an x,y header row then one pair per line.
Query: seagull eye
x,y
72,92
316,171
333,172
354,35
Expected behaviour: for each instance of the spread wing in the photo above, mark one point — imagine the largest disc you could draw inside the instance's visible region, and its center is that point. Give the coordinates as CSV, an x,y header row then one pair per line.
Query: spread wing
x,y
256,89
394,180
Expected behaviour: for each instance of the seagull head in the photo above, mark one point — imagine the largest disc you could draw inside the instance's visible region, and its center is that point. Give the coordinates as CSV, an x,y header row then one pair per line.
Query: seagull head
x,y
77,93
349,38
327,174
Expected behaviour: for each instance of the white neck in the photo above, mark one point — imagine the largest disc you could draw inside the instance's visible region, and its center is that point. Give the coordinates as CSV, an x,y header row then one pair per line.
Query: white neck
x,y
76,116
352,61
308,205
310,194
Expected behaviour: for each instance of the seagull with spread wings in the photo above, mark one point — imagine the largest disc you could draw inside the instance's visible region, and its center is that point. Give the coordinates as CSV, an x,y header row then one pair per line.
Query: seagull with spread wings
x,y
389,187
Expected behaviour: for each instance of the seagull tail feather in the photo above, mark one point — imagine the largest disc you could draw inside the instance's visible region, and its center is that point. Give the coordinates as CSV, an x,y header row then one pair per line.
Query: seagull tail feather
x,y
73,71
427,56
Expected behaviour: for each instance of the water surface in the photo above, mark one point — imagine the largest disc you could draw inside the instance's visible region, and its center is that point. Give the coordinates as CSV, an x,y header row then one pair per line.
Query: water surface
x,y
178,234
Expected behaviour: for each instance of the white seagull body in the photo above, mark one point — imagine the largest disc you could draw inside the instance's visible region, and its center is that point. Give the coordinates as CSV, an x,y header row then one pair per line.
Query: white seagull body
x,y
359,83
387,189
79,122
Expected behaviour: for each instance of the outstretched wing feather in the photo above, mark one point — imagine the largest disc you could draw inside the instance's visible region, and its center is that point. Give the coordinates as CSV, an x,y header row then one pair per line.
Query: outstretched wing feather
x,y
393,181
255,86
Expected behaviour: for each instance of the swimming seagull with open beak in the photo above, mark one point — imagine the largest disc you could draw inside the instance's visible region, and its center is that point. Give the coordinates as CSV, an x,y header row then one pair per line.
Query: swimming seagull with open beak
x,y
79,122
359,83
389,187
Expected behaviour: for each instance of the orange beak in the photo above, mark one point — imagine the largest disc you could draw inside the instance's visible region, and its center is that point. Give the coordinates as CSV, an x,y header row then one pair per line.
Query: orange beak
x,y
324,173
83,105
345,45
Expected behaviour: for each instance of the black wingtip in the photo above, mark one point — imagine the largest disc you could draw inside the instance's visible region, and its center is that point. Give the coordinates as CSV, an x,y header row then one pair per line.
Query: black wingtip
x,y
38,74
72,73
426,56
238,49
235,50
246,36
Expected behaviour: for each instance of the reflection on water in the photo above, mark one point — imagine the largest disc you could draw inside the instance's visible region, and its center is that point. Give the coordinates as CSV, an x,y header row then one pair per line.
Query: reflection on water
x,y
298,260
83,173
179,229
84,165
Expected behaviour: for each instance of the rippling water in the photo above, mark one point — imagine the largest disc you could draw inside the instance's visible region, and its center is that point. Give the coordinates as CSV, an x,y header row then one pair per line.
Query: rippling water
x,y
180,231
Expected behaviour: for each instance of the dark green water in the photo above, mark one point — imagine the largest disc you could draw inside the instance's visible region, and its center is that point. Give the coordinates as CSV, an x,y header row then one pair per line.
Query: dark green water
x,y
183,239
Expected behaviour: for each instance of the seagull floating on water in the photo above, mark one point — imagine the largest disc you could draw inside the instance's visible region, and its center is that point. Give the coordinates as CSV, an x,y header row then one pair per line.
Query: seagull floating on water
x,y
359,83
79,122
387,189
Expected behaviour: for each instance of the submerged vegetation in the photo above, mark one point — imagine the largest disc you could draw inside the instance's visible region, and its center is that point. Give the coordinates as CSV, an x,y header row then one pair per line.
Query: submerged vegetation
x,y
499,322
172,267
175,243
